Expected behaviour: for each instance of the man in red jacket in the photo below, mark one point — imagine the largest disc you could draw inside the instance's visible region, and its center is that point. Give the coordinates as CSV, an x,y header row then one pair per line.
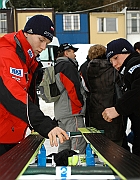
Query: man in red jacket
x,y
18,72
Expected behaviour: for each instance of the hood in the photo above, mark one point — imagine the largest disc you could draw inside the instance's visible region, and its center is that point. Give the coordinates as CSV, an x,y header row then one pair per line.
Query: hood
x,y
7,41
97,67
73,61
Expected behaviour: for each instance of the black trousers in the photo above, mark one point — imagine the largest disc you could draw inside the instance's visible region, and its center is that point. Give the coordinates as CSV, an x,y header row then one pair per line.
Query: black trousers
x,y
135,126
5,147
87,111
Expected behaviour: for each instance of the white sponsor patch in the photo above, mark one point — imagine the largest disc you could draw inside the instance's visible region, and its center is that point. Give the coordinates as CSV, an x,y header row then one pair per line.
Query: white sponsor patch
x,y
16,72
109,54
16,78
124,50
122,71
48,34
131,70
30,53
30,31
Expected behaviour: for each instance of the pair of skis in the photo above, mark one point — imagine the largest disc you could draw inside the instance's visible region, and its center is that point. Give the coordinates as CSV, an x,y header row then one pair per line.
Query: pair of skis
x,y
125,164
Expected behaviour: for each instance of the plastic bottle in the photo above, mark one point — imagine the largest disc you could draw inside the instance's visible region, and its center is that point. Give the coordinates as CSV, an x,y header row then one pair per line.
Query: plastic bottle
x,y
42,157
90,161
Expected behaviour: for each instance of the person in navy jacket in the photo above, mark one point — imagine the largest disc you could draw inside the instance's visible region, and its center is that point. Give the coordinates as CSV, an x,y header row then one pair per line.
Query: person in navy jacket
x,y
127,61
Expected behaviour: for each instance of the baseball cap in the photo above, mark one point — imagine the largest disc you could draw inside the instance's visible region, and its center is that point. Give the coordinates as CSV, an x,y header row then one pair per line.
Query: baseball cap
x,y
66,46
40,25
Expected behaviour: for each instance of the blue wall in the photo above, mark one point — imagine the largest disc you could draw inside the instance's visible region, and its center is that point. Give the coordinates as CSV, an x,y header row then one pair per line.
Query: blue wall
x,y
72,37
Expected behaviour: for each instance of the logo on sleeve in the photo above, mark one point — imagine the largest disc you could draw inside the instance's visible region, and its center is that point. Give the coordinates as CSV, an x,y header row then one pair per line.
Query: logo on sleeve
x,y
131,70
16,72
30,53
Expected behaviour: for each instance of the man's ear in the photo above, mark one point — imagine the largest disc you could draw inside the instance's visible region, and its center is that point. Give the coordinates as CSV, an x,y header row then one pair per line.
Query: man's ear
x,y
138,50
66,53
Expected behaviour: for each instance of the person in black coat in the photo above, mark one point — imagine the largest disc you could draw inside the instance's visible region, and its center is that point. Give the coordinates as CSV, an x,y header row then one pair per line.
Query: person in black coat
x,y
126,60
100,75
83,74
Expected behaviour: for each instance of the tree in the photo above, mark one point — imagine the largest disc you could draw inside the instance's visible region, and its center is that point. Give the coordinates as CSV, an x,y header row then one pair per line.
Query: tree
x,y
26,3
75,5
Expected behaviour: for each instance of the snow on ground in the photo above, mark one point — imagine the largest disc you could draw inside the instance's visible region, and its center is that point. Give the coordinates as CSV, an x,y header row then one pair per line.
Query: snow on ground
x,y
48,109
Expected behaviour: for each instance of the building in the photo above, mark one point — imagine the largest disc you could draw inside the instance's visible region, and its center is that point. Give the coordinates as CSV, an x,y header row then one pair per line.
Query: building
x,y
105,26
79,27
72,27
12,20
132,24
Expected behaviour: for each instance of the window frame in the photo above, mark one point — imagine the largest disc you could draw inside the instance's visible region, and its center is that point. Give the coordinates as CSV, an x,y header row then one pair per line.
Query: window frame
x,y
71,26
3,23
104,25
130,22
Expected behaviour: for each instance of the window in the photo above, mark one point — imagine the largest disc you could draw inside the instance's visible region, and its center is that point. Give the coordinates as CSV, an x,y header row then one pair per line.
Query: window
x,y
71,22
133,22
107,24
3,23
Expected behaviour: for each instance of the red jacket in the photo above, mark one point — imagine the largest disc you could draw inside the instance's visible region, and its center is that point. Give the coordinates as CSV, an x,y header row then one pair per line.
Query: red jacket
x,y
17,110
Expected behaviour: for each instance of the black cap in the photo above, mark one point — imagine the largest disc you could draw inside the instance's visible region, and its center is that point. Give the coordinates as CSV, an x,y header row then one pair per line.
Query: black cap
x,y
41,25
118,46
66,46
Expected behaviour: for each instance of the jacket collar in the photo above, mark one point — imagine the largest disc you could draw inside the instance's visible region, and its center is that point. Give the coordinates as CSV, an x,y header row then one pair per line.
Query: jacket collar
x,y
73,61
123,67
25,47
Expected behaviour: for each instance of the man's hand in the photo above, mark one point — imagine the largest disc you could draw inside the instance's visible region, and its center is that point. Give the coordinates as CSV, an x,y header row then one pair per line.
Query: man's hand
x,y
57,132
110,113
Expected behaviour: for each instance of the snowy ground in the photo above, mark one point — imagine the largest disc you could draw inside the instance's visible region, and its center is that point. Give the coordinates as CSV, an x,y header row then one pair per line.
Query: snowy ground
x,y
48,109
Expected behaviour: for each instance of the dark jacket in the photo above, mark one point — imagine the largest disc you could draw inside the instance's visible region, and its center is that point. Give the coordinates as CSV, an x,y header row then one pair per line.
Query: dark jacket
x,y
130,101
100,77
83,73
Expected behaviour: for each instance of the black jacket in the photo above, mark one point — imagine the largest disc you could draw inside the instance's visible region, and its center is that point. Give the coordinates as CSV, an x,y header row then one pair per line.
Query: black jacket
x,y
101,81
130,101
83,72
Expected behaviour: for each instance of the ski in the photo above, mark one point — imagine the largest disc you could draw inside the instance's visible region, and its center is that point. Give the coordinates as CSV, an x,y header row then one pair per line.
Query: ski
x,y
125,164
14,162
